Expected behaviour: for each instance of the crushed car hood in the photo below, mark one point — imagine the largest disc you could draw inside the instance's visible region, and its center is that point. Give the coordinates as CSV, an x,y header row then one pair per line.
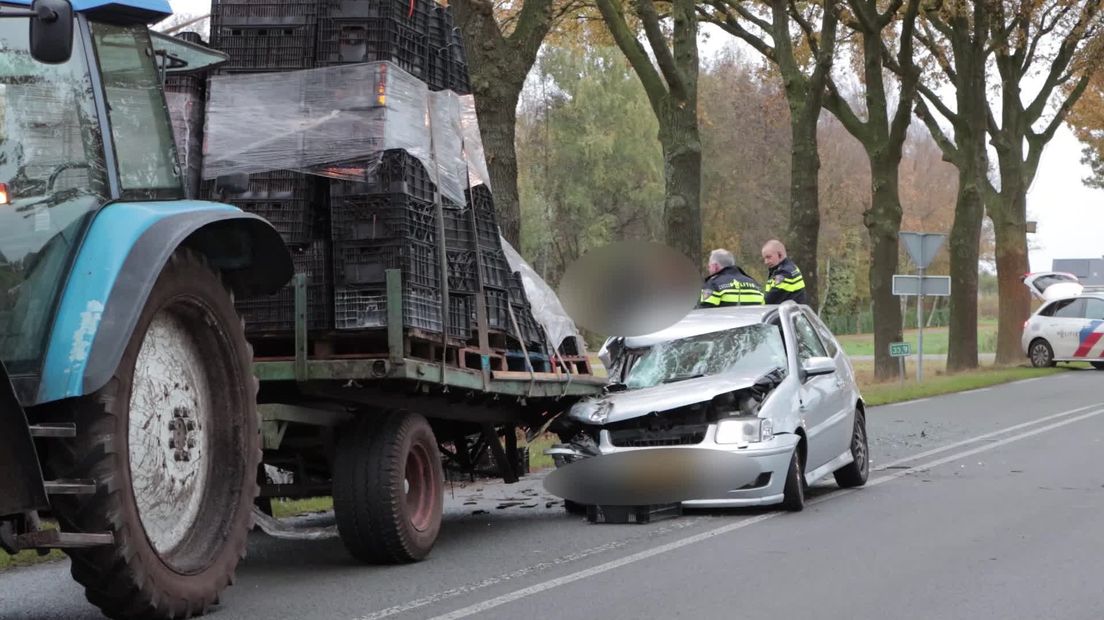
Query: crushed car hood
x,y
640,402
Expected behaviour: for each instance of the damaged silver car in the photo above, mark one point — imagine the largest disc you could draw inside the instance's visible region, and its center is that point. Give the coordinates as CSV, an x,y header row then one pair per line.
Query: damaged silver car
x,y
768,382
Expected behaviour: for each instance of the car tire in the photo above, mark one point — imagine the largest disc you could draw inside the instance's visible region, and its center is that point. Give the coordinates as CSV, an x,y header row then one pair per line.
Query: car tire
x,y
173,443
1041,354
1097,365
793,498
855,473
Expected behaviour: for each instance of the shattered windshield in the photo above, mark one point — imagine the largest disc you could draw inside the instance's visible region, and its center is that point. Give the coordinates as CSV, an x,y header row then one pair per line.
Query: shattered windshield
x,y
754,349
51,158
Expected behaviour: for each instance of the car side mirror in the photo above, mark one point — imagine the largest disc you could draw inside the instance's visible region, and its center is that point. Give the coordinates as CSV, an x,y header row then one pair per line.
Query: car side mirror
x,y
237,183
51,31
817,366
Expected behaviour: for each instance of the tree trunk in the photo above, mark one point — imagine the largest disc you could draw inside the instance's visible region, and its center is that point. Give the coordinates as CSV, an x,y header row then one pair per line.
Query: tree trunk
x,y
496,108
681,144
962,351
803,233
1010,226
883,222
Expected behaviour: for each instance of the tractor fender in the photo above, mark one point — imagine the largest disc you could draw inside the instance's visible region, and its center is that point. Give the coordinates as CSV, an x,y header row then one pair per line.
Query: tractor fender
x,y
120,258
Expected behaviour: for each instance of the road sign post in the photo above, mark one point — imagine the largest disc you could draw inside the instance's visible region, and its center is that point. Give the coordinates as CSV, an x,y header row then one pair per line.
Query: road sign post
x,y
921,248
900,350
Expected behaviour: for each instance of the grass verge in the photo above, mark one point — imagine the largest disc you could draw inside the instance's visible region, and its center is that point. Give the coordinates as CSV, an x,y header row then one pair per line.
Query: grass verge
x,y
939,382
935,340
293,507
27,558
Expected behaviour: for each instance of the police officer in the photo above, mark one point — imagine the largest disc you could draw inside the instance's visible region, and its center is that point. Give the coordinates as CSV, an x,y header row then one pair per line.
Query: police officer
x,y
784,280
727,284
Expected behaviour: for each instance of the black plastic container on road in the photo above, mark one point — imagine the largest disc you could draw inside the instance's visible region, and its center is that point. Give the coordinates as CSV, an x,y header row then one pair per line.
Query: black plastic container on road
x,y
275,314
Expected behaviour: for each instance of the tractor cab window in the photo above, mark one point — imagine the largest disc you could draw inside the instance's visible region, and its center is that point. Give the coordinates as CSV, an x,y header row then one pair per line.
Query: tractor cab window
x,y
140,126
52,166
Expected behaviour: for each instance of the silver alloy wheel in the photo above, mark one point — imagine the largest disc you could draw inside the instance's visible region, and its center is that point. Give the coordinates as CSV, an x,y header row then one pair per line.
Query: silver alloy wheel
x,y
168,439
1040,354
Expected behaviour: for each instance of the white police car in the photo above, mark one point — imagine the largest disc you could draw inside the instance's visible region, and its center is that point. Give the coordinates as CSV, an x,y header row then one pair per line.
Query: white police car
x,y
1069,326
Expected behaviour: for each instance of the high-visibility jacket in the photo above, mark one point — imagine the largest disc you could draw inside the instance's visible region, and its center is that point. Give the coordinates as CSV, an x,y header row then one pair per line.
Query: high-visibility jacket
x,y
784,282
730,287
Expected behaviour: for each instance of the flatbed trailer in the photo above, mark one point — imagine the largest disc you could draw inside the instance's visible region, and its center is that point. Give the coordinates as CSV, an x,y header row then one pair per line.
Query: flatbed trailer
x,y
376,431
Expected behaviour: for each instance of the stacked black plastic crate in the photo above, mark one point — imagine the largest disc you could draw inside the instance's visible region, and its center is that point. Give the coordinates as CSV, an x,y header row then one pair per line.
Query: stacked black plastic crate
x,y
503,290
387,221
265,37
390,222
448,64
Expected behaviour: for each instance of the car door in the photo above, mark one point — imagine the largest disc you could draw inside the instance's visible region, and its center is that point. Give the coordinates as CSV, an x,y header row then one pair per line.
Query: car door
x,y
821,399
1090,339
1065,326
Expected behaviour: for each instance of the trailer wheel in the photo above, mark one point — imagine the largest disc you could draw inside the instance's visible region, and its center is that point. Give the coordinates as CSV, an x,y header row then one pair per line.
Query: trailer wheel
x,y
388,488
173,443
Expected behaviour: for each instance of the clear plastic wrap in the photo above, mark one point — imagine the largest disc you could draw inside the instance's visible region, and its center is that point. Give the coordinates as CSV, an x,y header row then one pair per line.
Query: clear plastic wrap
x,y
451,175
547,309
186,114
332,122
473,143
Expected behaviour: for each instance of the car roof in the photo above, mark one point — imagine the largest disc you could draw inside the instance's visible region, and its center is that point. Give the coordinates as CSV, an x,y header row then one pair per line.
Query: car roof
x,y
1085,295
705,321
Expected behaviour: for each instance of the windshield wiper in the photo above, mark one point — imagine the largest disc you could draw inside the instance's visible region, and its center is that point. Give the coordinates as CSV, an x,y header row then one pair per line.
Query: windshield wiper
x,y
683,377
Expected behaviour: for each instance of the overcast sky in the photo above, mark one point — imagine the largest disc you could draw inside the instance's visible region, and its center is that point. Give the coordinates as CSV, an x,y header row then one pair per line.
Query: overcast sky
x,y
1070,215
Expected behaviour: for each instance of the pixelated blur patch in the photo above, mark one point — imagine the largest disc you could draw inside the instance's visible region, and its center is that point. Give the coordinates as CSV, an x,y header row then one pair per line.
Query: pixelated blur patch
x,y
630,288
653,476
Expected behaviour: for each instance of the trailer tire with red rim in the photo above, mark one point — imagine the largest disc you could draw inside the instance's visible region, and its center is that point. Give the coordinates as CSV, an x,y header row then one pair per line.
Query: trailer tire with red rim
x,y
388,488
173,444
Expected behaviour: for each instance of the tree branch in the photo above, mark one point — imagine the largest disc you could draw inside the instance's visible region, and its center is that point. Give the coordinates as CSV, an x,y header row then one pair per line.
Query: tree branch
x,y
533,24
646,11
749,16
950,153
934,100
730,25
841,109
805,26
898,130
630,46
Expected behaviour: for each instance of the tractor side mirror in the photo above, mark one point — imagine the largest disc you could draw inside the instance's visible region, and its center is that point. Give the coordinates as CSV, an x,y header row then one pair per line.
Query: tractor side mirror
x,y
51,31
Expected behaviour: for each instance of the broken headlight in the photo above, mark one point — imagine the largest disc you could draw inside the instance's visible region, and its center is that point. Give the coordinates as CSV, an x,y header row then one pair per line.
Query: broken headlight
x,y
744,430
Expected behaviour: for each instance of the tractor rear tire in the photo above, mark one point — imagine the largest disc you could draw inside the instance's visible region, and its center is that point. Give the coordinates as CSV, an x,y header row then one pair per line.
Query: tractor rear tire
x,y
388,488
173,443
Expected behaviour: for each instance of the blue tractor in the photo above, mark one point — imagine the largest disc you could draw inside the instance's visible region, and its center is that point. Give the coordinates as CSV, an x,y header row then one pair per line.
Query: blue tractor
x,y
128,413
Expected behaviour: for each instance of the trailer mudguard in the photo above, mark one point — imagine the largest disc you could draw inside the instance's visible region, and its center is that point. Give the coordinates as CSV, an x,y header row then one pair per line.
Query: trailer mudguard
x,y
21,486
120,258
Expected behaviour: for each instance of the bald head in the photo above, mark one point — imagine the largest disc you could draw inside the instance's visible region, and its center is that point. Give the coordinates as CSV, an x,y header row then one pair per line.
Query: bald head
x,y
773,253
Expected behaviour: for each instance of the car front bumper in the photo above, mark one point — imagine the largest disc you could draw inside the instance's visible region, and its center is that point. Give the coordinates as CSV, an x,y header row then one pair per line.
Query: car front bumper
x,y
772,458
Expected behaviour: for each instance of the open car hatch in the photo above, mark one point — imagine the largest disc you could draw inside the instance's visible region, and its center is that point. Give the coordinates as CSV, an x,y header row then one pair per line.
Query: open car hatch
x,y
1053,285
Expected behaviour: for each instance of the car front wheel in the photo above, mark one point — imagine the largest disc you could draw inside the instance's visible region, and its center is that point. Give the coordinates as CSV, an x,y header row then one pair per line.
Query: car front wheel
x,y
1098,365
854,474
793,498
1040,353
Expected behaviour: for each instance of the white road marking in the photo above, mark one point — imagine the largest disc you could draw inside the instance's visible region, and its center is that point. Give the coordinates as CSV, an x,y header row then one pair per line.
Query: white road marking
x,y
481,607
983,437
528,570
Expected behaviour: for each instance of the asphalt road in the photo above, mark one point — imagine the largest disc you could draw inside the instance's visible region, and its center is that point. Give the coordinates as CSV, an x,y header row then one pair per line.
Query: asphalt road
x,y
981,505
